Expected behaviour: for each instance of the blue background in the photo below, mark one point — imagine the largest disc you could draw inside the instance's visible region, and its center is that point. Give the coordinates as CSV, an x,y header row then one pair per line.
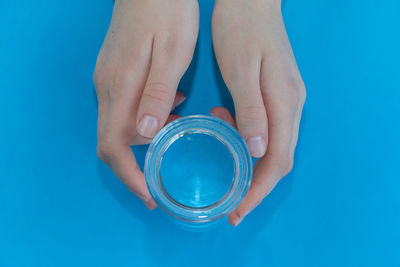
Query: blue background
x,y
61,206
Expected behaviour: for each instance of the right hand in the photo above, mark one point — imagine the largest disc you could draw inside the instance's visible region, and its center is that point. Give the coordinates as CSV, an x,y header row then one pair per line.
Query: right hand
x,y
258,66
148,47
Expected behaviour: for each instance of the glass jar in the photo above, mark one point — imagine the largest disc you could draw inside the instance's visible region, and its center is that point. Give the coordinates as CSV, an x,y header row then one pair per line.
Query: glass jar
x,y
198,169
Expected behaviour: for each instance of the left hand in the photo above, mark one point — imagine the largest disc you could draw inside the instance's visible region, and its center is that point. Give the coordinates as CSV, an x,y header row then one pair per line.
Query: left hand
x,y
148,47
260,71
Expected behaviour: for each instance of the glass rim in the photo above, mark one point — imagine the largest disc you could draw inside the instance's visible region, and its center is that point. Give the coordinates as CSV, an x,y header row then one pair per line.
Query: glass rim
x,y
224,133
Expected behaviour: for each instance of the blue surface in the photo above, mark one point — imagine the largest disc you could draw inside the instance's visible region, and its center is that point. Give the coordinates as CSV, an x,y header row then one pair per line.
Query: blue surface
x,y
340,206
197,170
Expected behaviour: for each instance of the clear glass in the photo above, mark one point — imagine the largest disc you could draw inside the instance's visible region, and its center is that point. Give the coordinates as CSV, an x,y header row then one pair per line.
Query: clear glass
x,y
198,169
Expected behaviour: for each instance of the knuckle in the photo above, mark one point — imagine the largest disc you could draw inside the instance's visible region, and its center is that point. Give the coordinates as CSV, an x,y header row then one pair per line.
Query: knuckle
x,y
301,93
157,92
252,113
100,154
116,84
110,76
164,41
283,164
101,69
289,167
176,51
286,165
297,94
105,150
98,79
96,71
95,77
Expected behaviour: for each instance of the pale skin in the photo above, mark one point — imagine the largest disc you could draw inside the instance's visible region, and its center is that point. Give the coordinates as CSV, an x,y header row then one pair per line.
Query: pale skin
x,y
148,48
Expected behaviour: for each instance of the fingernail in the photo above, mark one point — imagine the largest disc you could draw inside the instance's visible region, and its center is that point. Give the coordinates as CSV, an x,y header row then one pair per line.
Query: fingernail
x,y
145,199
257,146
177,103
216,115
239,220
180,101
150,205
147,126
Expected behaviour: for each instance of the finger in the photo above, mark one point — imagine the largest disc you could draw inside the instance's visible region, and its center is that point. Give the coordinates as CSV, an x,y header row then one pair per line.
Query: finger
x,y
171,118
284,103
123,163
179,99
251,117
115,130
159,92
140,140
223,114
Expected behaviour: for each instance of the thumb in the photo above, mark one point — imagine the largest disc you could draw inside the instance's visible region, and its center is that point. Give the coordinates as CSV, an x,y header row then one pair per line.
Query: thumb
x,y
166,70
251,116
157,101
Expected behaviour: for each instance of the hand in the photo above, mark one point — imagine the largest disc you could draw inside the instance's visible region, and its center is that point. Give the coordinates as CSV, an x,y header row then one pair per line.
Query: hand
x,y
260,71
148,47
